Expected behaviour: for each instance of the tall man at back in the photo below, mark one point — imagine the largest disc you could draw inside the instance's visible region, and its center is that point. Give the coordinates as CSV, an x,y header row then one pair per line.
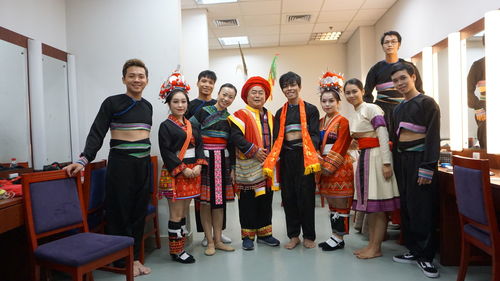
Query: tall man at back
x,y
379,77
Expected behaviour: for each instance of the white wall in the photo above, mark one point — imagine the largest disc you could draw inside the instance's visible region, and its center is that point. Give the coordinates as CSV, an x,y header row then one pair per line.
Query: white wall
x,y
309,61
194,50
423,23
104,34
44,20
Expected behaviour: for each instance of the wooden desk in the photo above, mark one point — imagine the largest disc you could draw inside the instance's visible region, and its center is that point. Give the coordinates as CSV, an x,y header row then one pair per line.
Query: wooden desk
x,y
449,224
11,214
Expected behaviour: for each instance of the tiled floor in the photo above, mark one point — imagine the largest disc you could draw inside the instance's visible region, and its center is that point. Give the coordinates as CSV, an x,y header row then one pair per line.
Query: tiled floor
x,y
267,263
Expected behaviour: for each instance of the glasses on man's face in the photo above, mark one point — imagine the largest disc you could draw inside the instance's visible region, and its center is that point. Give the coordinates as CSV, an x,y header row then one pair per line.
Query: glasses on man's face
x,y
393,42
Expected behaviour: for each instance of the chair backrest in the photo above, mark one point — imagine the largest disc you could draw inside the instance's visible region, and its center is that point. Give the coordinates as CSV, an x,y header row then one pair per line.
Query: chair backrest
x,y
53,204
154,180
94,185
473,192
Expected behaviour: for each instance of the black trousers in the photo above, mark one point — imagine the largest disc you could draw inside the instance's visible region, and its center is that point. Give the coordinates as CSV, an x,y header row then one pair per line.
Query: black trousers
x,y
255,212
297,194
419,206
127,196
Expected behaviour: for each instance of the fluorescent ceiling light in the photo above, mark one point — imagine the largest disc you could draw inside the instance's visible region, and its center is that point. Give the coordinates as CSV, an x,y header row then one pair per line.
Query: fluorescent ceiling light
x,y
326,36
208,2
228,41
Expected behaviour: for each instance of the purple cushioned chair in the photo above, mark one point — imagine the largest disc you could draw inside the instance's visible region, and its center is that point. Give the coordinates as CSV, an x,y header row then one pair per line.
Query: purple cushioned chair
x,y
54,206
478,220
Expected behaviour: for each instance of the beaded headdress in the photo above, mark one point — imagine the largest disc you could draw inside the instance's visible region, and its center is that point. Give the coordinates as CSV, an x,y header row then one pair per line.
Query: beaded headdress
x,y
174,82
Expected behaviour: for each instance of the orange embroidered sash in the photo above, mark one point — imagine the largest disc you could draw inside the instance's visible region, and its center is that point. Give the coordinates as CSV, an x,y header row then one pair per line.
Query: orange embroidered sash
x,y
311,162
189,135
328,130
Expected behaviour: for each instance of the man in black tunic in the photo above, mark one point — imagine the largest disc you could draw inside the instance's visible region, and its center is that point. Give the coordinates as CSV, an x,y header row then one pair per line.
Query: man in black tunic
x,y
129,118
416,154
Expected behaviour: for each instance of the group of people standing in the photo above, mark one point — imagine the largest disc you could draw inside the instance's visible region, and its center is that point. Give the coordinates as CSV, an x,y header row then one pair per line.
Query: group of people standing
x,y
215,157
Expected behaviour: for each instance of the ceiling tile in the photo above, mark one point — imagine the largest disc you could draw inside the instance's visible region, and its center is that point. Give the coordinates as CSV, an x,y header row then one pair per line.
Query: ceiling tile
x,y
337,5
260,8
294,6
345,15
369,14
228,31
213,43
296,28
355,24
260,39
256,20
325,27
284,17
377,4
259,30
298,37
270,44
226,10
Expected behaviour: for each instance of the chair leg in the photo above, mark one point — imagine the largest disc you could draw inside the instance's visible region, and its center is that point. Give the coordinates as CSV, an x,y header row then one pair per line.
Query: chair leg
x,y
157,232
495,268
141,251
464,260
129,265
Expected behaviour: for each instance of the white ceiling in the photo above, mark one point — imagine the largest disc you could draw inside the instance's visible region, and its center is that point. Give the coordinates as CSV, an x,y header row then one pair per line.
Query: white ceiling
x,y
265,21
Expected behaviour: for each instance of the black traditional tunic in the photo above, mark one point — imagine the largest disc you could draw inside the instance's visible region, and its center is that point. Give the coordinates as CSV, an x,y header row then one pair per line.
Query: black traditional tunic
x,y
216,184
388,97
297,189
197,104
128,170
416,159
172,135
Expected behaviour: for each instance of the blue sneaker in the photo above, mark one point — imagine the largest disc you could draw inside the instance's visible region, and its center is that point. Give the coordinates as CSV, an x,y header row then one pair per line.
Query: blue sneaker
x,y
247,244
269,240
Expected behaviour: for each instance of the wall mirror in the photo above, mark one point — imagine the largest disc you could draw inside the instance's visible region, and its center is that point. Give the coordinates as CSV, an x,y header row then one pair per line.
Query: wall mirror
x,y
440,78
56,105
14,108
474,77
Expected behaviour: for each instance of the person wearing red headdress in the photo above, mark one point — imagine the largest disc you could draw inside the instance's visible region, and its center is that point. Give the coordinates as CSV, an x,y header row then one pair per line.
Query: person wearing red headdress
x,y
251,129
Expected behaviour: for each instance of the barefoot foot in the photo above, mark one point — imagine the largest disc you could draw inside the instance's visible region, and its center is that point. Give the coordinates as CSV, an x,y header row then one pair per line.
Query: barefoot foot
x,y
309,244
356,252
292,243
369,253
143,270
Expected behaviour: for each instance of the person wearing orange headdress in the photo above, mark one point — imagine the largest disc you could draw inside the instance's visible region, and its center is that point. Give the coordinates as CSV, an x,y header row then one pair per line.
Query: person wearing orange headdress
x,y
251,130
296,135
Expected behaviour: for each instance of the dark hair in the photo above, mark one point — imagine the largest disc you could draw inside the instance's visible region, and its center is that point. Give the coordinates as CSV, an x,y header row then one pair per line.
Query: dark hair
x,y
403,66
289,78
133,62
173,92
207,74
390,33
355,82
229,85
334,91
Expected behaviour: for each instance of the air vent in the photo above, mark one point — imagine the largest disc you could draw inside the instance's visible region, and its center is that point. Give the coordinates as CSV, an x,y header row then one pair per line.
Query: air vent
x,y
299,18
226,22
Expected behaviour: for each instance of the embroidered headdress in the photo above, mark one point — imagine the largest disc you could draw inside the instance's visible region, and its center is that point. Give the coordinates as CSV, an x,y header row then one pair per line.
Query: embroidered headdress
x,y
174,82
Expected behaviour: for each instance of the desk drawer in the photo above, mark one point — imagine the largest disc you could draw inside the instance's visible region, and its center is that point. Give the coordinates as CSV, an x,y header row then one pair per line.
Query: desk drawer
x,y
11,217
